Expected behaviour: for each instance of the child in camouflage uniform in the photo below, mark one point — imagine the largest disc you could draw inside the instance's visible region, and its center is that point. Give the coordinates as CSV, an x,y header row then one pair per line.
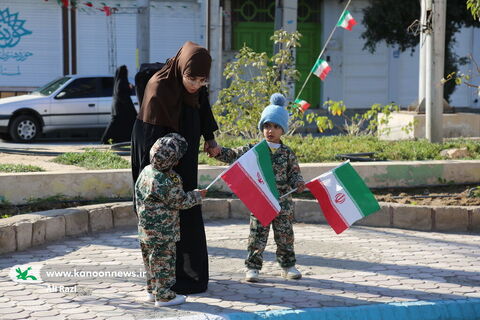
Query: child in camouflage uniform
x,y
159,196
273,124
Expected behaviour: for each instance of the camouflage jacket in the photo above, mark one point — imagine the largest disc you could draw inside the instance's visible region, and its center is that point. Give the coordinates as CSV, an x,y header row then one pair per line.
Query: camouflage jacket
x,y
284,163
159,196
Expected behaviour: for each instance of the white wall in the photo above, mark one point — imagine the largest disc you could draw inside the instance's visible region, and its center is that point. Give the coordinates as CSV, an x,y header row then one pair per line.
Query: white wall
x,y
37,57
361,79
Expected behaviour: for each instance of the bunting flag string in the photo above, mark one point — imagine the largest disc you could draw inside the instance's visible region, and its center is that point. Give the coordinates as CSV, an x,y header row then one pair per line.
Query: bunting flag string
x,y
321,67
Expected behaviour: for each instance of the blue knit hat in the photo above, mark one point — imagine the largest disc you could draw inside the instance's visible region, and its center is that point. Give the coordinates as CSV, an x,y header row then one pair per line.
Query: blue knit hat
x,y
275,112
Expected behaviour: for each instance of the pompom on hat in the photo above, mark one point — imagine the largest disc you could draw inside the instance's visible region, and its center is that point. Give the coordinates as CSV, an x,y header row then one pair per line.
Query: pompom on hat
x,y
275,112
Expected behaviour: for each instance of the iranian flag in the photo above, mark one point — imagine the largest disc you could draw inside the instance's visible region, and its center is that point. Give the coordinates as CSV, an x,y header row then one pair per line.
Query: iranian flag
x,y
346,21
343,197
321,69
251,178
304,105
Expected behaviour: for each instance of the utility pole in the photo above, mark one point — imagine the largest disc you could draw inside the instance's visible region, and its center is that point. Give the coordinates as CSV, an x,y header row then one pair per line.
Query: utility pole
x,y
428,71
143,32
439,22
286,12
422,52
435,11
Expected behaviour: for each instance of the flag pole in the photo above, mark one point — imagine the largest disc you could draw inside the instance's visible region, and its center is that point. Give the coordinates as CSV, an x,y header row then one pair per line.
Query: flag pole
x,y
323,49
289,192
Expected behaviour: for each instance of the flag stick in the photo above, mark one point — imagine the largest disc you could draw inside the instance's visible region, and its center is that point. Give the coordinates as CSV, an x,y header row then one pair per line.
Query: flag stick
x,y
214,180
323,49
289,192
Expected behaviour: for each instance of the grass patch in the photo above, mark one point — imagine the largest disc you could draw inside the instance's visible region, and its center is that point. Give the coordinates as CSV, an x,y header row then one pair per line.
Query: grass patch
x,y
19,168
324,149
93,160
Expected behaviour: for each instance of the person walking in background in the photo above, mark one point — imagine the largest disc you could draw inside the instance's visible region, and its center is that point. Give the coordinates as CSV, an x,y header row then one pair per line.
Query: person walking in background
x,y
159,195
176,100
123,111
273,124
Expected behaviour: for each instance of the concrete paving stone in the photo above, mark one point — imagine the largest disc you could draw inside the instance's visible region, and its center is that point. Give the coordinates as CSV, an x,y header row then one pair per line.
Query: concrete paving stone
x,y
123,317
109,314
80,310
49,313
104,308
66,305
30,307
15,292
14,316
8,304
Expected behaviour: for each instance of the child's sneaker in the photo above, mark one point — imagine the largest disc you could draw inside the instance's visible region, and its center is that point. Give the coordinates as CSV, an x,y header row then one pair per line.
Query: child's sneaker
x,y
179,299
252,275
291,273
150,297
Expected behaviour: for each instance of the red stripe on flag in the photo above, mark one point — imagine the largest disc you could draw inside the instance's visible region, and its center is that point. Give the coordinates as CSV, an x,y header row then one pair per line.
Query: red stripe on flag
x,y
350,24
251,195
324,73
334,219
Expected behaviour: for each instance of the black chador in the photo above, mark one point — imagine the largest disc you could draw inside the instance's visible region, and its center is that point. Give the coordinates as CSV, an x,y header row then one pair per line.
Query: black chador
x,y
123,111
168,107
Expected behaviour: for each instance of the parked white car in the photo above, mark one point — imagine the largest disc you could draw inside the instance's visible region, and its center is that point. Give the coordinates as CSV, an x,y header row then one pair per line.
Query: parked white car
x,y
70,102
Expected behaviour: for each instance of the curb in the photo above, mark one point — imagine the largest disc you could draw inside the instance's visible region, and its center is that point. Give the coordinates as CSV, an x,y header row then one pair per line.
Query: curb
x,y
417,310
23,231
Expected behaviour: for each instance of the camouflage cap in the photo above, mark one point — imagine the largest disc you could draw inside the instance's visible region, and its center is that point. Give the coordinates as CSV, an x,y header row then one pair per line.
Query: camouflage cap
x,y
167,151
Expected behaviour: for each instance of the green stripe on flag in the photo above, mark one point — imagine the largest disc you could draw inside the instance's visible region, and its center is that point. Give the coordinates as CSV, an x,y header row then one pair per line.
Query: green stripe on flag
x,y
339,22
316,65
356,189
265,162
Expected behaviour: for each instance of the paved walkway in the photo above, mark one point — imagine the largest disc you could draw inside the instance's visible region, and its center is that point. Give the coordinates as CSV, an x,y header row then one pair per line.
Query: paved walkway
x,y
361,266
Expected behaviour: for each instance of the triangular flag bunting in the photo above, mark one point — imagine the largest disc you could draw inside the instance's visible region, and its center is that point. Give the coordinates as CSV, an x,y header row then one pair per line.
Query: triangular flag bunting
x,y
252,179
321,69
346,21
304,105
343,197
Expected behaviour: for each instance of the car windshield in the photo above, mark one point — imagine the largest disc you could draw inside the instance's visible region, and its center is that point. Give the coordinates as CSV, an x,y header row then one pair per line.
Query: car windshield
x,y
50,87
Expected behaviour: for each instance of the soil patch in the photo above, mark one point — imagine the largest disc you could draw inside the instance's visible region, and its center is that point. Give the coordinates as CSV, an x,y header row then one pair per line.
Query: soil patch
x,y
451,195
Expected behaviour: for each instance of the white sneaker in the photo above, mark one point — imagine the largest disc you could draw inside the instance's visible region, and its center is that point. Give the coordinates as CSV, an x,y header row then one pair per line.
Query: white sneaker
x,y
252,275
150,297
291,273
179,299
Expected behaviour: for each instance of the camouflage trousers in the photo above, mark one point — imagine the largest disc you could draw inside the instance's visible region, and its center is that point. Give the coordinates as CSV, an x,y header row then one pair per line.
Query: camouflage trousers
x,y
159,261
283,234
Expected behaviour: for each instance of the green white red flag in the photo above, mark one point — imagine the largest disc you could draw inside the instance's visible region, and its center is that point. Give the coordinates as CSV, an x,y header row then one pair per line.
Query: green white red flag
x,y
252,179
304,105
343,197
346,21
321,69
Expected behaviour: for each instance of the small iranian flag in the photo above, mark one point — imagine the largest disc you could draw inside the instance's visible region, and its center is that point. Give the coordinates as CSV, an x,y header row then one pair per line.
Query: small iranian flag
x,y
251,178
346,21
321,69
304,105
343,197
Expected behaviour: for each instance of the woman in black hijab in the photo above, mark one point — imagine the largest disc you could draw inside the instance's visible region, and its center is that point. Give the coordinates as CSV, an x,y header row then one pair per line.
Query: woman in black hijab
x,y
176,100
123,111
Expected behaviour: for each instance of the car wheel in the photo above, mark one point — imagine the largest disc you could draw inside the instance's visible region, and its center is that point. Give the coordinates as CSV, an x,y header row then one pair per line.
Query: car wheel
x,y
24,128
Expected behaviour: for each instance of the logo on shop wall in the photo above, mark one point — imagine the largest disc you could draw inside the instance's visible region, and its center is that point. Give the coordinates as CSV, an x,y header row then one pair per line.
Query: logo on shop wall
x,y
11,29
11,32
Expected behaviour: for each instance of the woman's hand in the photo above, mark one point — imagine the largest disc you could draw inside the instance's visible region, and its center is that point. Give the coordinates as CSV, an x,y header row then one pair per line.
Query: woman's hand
x,y
211,147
